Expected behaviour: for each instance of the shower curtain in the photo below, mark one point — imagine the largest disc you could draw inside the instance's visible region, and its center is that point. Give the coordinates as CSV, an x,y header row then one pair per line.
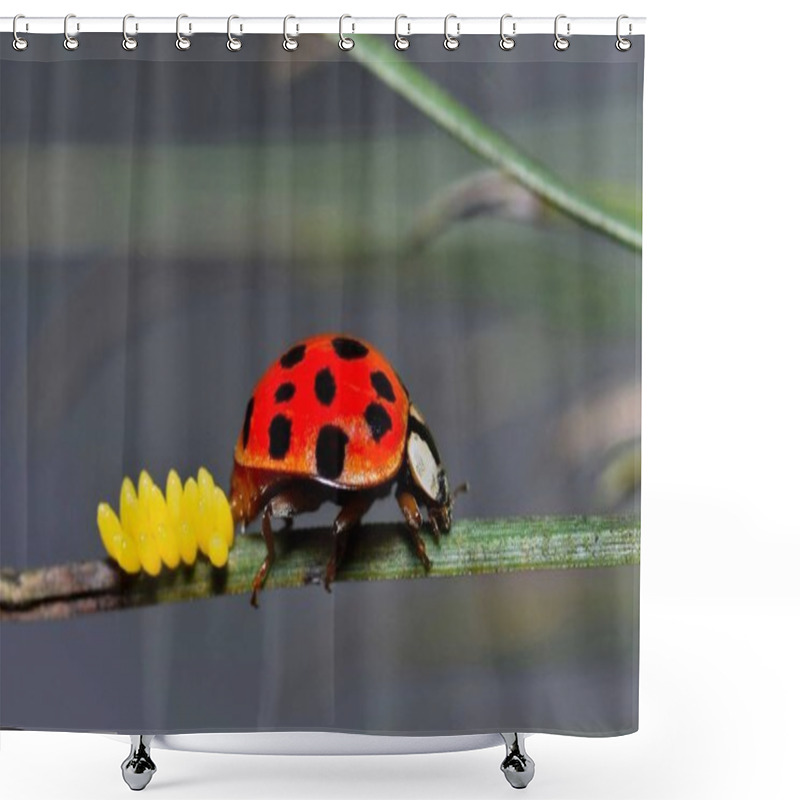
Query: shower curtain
x,y
352,281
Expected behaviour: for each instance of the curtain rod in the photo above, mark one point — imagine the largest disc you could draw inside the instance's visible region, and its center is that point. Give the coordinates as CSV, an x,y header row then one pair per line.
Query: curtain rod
x,y
298,25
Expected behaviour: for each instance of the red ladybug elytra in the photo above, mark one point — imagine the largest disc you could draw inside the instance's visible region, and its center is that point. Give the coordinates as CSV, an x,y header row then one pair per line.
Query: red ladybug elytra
x,y
331,421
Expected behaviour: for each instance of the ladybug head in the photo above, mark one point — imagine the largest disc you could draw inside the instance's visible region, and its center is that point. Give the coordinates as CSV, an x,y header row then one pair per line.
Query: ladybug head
x,y
424,462
245,494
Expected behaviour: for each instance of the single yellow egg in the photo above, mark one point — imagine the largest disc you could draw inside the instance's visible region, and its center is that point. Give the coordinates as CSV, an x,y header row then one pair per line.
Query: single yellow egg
x,y
217,549
128,554
110,529
162,529
223,517
157,505
148,553
128,508
145,482
174,495
205,509
167,543
189,503
187,544
204,480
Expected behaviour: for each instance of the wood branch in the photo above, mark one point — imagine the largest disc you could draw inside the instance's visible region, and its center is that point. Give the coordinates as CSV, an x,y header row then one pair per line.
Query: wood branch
x,y
375,552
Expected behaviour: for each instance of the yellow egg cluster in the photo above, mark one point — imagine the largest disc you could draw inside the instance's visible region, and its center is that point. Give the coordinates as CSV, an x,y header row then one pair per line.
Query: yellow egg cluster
x,y
154,529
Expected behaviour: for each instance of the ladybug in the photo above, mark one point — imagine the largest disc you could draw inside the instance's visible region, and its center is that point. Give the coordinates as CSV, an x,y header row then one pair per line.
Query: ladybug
x,y
330,420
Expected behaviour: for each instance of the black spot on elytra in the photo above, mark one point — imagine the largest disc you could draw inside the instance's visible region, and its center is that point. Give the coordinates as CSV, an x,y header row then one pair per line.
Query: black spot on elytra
x,y
280,436
284,392
422,431
325,386
382,385
348,349
248,415
331,449
294,356
378,420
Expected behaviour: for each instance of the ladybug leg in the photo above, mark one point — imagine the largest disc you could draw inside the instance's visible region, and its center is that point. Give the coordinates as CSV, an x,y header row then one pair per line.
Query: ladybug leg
x,y
440,520
261,576
353,509
434,523
410,508
285,505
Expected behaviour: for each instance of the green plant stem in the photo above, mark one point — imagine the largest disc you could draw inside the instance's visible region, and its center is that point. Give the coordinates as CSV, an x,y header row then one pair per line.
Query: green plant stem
x,y
397,72
375,552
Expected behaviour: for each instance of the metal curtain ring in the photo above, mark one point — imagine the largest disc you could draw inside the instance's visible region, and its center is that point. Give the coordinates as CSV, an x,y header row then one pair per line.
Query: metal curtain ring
x,y
234,44
451,42
70,42
345,43
623,44
507,42
400,42
560,42
19,43
289,42
128,42
181,42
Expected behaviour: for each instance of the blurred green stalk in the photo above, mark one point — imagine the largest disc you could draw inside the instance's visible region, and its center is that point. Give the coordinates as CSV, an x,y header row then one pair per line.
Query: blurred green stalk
x,y
432,100
375,552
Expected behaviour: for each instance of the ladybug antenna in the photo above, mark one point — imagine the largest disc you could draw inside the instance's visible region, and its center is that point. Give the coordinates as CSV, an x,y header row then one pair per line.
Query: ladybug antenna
x,y
462,488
